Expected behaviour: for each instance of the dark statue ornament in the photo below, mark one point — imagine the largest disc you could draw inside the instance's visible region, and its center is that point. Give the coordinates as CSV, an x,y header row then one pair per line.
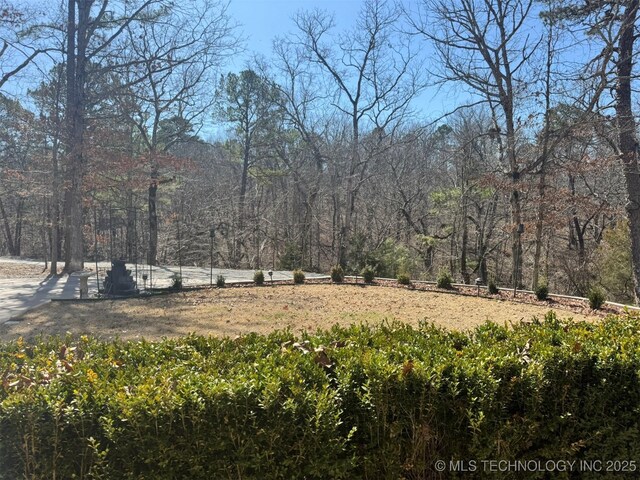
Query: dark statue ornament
x,y
119,281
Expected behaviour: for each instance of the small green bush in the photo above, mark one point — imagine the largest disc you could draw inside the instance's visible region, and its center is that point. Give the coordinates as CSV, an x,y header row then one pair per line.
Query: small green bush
x,y
542,291
176,282
368,274
337,274
220,281
596,298
298,276
444,279
258,277
404,279
492,287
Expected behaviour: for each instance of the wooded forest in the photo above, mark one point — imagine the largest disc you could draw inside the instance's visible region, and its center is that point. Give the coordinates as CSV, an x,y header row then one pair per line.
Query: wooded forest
x,y
126,134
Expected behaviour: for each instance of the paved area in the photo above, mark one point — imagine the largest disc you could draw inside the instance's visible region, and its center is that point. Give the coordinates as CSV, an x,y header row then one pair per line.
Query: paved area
x,y
17,295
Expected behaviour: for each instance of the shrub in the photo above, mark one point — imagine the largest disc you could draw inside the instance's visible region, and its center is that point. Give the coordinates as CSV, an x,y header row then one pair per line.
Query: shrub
x,y
404,279
596,298
291,257
613,263
337,274
176,282
376,402
391,259
492,287
444,279
298,276
258,277
368,274
220,281
387,259
542,291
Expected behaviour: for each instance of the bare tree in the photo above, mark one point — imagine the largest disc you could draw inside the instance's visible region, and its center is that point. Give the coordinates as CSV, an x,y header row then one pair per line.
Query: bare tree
x,y
170,68
18,48
302,104
49,99
411,168
481,44
474,163
627,128
248,101
18,139
613,25
371,71
93,30
99,40
544,140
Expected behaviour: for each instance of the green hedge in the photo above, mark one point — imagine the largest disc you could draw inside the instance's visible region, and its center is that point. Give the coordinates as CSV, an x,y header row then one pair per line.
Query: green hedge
x,y
374,403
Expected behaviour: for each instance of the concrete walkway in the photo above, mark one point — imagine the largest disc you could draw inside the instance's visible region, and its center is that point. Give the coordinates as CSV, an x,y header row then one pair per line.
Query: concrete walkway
x,y
17,295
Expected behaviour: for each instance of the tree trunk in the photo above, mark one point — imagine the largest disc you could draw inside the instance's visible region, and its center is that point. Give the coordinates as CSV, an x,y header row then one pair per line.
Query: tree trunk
x,y
535,276
627,141
466,278
318,246
43,235
483,271
7,230
152,254
486,224
452,249
516,244
76,73
543,163
514,199
130,232
345,232
17,232
336,231
580,239
73,222
55,210
246,159
345,229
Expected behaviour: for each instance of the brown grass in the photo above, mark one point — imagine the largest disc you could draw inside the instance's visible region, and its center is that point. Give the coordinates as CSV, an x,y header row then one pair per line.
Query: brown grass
x,y
20,270
237,311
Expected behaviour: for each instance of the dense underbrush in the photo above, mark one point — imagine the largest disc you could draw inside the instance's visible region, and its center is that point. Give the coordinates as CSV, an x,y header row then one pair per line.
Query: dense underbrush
x,y
361,402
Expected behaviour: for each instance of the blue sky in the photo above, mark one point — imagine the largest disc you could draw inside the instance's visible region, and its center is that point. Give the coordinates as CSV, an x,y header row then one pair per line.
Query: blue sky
x,y
262,20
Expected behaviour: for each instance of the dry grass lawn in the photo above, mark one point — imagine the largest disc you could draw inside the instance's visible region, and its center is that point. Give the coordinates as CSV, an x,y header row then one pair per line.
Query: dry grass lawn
x,y
21,270
237,311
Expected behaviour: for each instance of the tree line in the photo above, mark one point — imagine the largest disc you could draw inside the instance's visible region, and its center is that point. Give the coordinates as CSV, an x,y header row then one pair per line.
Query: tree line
x,y
333,150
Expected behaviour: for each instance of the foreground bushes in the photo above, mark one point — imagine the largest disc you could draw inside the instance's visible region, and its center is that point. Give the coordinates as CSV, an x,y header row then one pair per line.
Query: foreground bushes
x,y
372,403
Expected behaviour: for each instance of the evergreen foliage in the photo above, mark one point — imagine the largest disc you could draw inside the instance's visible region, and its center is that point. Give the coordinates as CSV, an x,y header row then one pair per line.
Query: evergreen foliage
x,y
337,274
298,276
346,403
